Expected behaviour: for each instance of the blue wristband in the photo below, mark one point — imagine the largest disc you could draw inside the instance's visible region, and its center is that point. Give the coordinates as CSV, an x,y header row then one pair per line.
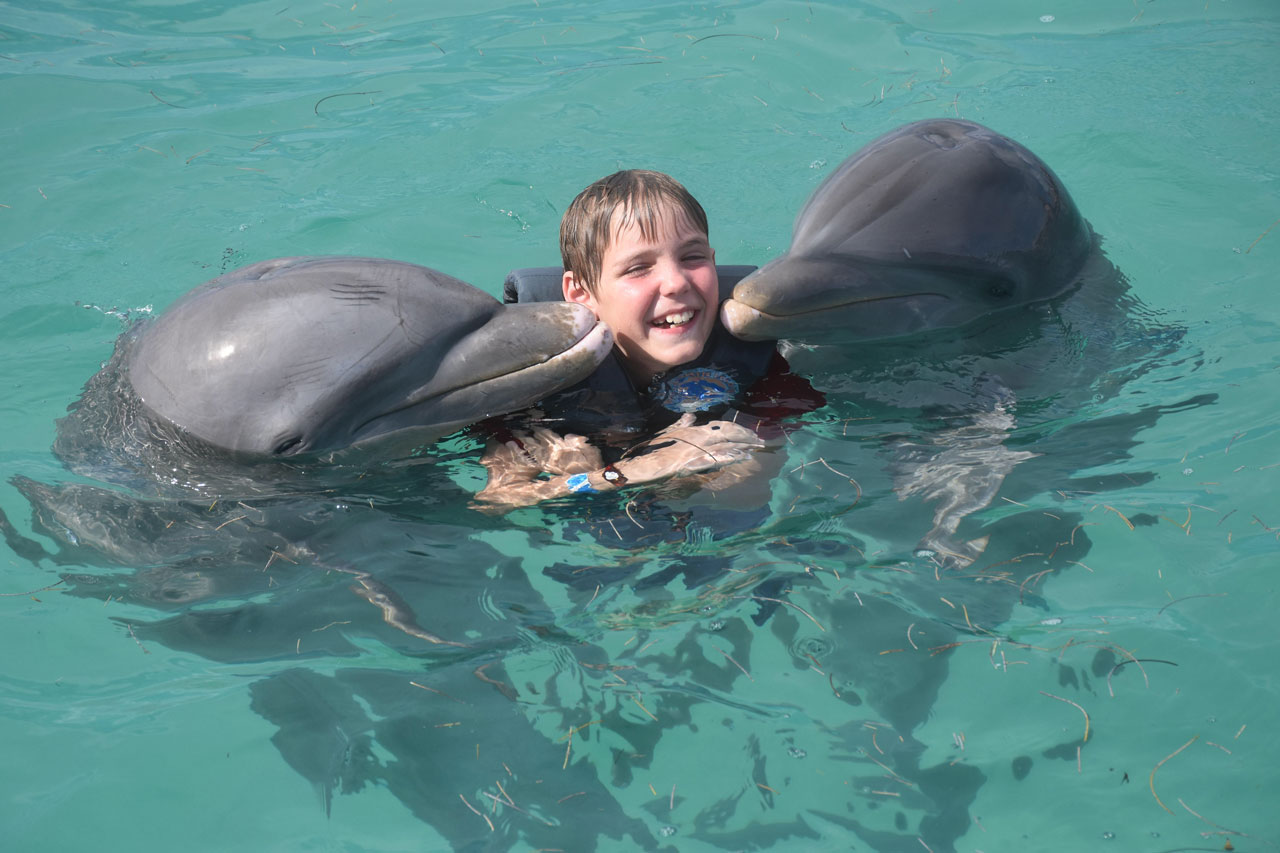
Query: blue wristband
x,y
579,483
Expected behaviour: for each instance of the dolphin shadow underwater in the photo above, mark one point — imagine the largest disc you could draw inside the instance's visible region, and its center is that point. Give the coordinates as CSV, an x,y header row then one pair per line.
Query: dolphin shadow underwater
x,y
248,525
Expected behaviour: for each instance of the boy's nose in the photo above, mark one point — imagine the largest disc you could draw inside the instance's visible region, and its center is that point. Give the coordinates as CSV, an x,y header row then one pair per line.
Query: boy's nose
x,y
674,279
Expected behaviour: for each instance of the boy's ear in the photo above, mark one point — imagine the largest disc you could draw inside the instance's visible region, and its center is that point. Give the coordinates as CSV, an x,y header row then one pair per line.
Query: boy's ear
x,y
574,291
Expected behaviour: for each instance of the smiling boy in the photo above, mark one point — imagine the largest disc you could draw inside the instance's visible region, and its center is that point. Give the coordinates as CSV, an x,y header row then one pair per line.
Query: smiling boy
x,y
636,251
653,281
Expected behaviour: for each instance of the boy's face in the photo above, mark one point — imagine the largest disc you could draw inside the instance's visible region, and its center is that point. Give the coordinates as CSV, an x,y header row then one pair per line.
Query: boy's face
x,y
660,296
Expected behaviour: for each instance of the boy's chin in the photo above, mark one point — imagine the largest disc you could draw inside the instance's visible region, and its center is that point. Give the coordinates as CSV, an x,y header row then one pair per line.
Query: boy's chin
x,y
673,357
661,356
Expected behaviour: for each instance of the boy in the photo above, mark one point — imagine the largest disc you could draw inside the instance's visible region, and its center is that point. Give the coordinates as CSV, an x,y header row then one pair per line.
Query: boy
x,y
636,251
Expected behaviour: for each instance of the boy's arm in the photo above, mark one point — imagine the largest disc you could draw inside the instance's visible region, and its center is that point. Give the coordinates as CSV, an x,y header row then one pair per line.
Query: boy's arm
x,y
516,466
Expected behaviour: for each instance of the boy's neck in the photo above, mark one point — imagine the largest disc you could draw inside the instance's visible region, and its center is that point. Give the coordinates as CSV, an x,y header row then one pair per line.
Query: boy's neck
x,y
642,378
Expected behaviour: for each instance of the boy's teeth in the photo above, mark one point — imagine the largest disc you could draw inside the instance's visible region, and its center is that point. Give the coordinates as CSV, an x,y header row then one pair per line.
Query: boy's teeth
x,y
676,319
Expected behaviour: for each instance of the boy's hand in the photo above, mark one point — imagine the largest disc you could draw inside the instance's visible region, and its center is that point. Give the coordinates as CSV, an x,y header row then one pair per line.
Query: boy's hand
x,y
683,449
562,454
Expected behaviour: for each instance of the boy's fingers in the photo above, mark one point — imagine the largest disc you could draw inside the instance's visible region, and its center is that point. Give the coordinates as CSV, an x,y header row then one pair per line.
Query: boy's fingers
x,y
734,432
546,437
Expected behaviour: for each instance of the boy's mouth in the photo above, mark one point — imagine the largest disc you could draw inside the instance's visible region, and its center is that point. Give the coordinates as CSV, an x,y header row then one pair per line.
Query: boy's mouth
x,y
679,318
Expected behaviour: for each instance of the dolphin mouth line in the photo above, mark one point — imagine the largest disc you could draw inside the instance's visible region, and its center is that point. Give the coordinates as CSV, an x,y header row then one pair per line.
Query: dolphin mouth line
x,y
598,337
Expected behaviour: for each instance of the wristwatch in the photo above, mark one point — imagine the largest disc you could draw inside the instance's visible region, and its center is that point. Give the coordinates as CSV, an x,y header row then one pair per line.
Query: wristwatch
x,y
578,483
613,476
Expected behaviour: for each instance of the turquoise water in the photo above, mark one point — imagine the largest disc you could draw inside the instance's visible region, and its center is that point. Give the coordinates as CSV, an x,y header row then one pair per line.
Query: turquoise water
x,y
224,698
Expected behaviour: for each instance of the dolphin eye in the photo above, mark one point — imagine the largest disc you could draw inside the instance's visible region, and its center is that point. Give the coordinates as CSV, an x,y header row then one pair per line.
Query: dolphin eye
x,y
999,290
287,445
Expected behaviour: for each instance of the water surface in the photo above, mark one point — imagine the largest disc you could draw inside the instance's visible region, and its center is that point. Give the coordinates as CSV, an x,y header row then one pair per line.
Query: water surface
x,y
210,695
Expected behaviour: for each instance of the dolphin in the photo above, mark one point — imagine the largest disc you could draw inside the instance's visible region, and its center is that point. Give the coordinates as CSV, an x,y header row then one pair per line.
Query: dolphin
x,y
220,397
316,354
933,225
947,270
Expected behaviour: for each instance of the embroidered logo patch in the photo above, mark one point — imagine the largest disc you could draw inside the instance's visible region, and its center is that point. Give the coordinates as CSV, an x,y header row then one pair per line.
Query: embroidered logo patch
x,y
695,390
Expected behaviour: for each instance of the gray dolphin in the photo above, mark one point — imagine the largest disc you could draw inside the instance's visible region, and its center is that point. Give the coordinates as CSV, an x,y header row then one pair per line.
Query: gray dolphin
x,y
933,225
314,354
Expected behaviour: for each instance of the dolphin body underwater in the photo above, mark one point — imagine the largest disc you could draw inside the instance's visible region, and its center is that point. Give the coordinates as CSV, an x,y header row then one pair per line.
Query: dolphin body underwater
x,y
943,270
295,374
271,388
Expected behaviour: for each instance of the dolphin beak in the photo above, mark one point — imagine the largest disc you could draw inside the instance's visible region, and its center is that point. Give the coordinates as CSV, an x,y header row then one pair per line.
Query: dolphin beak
x,y
745,322
523,354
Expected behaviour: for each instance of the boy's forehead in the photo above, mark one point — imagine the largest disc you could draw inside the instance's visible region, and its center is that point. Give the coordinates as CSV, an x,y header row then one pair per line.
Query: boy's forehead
x,y
664,219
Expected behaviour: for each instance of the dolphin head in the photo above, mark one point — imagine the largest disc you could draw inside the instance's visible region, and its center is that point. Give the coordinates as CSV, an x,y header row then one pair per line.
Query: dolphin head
x,y
931,226
841,298
310,355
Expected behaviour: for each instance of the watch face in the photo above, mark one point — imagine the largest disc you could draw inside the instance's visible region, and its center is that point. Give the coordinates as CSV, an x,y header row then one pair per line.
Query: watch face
x,y
612,475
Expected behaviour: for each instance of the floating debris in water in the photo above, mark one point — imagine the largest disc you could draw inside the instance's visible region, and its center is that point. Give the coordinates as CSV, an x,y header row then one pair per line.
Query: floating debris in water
x,y
119,313
1046,19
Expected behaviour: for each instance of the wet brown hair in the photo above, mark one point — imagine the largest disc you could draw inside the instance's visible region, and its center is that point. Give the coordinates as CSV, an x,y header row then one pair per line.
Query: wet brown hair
x,y
641,196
